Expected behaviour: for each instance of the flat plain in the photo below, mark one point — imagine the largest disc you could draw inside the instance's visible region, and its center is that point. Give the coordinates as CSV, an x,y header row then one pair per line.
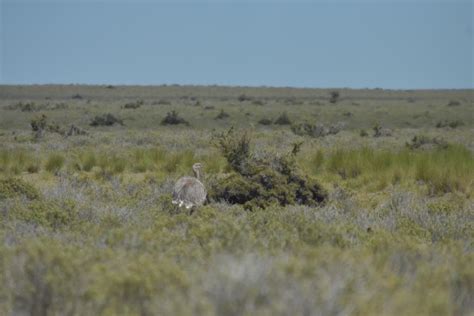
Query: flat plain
x,y
321,201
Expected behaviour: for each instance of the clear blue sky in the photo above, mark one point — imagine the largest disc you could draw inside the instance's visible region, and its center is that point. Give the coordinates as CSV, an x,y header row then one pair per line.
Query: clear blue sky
x,y
386,43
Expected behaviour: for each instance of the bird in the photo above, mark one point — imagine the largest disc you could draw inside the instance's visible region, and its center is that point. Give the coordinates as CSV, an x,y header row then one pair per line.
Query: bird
x,y
189,191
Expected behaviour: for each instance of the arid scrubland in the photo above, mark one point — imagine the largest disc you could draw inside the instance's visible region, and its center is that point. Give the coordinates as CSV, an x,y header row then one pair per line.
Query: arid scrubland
x,y
358,202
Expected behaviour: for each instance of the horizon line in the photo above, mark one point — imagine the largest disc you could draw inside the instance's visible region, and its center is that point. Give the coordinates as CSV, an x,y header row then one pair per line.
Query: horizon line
x,y
201,85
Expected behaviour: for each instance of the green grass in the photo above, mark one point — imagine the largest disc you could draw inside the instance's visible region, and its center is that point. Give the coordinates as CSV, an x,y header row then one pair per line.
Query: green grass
x,y
442,170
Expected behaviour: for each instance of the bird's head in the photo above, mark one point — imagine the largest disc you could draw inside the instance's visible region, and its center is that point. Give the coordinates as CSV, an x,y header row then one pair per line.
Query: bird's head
x,y
197,166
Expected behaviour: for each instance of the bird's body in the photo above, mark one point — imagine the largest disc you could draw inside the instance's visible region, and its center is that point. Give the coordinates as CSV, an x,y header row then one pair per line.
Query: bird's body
x,y
189,191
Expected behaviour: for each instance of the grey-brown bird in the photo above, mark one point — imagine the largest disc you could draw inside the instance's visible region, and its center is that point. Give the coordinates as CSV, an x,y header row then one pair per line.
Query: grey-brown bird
x,y
189,191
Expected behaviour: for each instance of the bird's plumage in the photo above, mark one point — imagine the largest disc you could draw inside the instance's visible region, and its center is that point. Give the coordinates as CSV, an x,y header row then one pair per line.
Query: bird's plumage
x,y
189,191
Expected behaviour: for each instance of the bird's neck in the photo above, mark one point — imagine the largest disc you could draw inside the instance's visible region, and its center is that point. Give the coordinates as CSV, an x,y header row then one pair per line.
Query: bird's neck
x,y
197,174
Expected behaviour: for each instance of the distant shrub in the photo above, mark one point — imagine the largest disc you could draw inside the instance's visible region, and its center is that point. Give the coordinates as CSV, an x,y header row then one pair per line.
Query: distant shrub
x,y
283,119
315,130
363,133
77,97
454,103
40,126
59,106
258,102
347,114
209,107
425,142
134,105
54,163
33,107
380,131
451,124
15,187
24,107
107,119
265,121
334,97
172,118
243,98
222,115
110,87
75,131
163,102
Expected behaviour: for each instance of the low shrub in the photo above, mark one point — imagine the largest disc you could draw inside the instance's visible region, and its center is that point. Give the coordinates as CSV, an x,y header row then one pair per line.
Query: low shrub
x,y
133,105
15,187
334,97
107,119
380,131
425,142
283,119
45,213
222,115
40,126
76,131
243,98
258,102
163,102
172,118
24,107
77,96
265,121
313,130
454,103
451,124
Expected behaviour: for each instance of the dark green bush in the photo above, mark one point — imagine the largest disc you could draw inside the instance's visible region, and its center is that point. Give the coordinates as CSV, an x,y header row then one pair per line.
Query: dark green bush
x,y
107,119
258,102
380,131
243,98
261,182
40,125
452,124
334,97
283,119
75,130
222,115
454,103
77,96
14,187
265,121
134,105
172,118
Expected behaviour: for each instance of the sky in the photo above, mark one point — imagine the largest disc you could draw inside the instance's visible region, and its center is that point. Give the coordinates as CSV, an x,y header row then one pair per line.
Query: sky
x,y
394,44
